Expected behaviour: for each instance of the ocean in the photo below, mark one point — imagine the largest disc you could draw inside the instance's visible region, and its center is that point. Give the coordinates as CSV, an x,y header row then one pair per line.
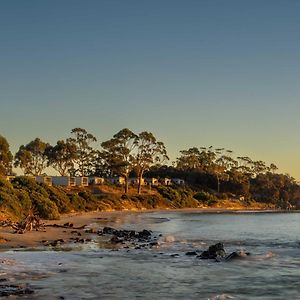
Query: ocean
x,y
97,271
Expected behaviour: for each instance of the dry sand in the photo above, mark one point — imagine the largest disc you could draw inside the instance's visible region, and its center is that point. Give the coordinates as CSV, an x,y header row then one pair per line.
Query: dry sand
x,y
9,239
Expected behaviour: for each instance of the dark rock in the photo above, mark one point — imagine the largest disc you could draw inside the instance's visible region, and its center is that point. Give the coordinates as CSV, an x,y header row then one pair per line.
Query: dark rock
x,y
108,230
116,240
62,271
213,252
153,244
10,289
191,253
145,234
174,255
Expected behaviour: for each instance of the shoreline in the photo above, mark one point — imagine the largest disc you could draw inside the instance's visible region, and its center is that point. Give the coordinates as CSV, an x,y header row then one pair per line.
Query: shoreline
x,y
35,239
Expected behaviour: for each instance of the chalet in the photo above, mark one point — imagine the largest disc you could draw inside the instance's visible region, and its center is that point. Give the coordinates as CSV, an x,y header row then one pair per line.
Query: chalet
x,y
118,180
10,178
44,179
178,181
82,181
135,181
64,181
151,181
167,181
94,180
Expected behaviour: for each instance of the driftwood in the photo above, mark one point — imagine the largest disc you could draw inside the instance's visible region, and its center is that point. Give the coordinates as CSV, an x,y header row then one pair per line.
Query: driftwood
x,y
32,221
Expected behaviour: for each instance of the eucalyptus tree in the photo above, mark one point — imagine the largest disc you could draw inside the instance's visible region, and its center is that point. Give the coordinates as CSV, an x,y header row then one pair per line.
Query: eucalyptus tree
x,y
85,153
245,164
273,168
32,158
227,162
118,153
62,156
6,157
149,152
259,167
189,159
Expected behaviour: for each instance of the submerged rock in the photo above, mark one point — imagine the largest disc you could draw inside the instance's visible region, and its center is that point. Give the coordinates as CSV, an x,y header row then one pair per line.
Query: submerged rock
x,y
191,253
236,254
11,289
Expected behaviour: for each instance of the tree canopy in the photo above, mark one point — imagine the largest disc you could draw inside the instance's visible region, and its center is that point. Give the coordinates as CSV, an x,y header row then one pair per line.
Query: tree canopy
x,y
32,158
6,157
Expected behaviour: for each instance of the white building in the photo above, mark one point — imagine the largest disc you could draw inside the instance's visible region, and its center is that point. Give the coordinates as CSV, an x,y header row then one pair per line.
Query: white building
x,y
94,180
82,181
178,181
118,180
135,181
10,178
44,179
64,181
152,181
167,181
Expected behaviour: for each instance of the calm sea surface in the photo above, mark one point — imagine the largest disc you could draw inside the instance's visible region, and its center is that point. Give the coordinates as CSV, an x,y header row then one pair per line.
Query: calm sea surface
x,y
93,272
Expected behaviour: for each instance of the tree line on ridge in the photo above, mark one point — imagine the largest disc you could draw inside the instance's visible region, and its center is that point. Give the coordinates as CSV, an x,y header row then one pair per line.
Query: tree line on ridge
x,y
126,153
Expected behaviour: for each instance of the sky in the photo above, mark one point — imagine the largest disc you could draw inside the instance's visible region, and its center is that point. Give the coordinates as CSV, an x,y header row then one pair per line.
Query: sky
x,y
195,73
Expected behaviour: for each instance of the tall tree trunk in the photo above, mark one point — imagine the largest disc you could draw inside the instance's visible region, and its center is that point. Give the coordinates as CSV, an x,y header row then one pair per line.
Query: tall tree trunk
x,y
126,184
140,177
218,183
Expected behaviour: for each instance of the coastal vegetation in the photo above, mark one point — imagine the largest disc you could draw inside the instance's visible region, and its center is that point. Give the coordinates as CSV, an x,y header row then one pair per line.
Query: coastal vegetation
x,y
212,177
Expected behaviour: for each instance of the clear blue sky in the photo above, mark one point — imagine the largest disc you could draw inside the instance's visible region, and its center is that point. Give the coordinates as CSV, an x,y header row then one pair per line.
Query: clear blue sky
x,y
195,73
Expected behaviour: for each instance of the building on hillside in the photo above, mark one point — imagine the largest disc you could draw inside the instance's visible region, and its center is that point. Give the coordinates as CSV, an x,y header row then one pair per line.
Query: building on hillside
x,y
151,181
67,181
94,180
167,181
178,181
82,181
135,181
9,178
118,180
44,179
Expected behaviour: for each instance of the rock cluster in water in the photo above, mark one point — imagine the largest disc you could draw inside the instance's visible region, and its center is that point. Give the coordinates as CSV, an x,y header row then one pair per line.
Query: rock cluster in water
x,y
218,253
139,239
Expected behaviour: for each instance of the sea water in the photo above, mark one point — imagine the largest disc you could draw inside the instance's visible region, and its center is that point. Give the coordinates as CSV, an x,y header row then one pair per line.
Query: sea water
x,y
272,271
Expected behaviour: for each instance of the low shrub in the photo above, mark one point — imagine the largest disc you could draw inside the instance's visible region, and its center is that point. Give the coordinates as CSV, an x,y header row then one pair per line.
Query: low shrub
x,y
206,198
47,209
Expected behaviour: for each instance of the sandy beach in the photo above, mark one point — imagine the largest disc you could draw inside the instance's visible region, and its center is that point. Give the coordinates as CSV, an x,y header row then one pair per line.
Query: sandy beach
x,y
34,238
